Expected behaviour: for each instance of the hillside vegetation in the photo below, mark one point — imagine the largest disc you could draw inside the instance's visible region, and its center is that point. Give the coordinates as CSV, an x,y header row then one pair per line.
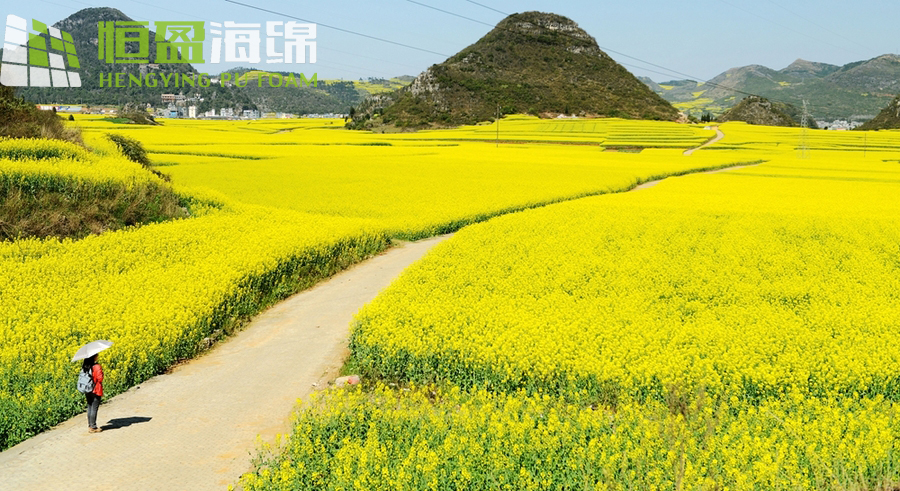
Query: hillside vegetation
x,y
887,119
758,110
21,119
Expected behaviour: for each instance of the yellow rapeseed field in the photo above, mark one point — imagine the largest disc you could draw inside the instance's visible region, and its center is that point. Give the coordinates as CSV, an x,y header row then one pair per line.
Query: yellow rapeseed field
x,y
157,291
724,283
728,331
428,438
417,184
40,159
276,205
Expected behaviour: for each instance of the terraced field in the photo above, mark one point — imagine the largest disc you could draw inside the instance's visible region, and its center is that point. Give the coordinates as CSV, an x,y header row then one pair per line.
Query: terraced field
x,y
416,184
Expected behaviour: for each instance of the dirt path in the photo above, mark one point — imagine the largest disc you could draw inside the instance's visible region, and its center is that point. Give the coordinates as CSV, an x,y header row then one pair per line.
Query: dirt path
x,y
650,184
195,428
718,137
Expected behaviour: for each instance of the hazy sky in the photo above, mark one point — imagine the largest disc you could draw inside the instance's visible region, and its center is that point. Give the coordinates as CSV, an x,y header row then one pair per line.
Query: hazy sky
x,y
701,39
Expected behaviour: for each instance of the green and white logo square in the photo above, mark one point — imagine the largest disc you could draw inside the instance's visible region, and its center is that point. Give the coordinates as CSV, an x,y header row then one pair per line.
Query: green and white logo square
x,y
29,62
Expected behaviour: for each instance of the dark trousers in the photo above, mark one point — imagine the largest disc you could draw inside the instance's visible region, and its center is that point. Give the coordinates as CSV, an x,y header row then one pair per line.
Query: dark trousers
x,y
93,403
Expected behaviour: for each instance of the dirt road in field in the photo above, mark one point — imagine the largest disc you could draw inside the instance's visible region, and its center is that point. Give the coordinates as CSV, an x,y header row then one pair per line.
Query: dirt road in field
x,y
650,184
718,137
195,428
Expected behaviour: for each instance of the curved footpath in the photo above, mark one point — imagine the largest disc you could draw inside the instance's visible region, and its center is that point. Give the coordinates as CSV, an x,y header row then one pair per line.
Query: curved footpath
x,y
196,427
715,139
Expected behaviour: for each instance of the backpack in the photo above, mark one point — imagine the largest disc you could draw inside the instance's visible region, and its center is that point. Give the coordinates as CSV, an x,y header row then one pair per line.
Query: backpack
x,y
85,383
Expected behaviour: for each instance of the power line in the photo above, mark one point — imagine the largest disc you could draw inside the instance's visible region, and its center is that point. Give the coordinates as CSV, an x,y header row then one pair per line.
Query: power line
x,y
450,13
508,30
447,12
76,1
776,23
668,73
364,71
487,7
369,58
647,69
361,70
57,4
668,70
163,8
348,31
480,22
782,7
325,49
570,36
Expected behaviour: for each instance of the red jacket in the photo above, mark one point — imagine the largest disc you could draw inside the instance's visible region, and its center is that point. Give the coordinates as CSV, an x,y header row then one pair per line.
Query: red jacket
x,y
97,375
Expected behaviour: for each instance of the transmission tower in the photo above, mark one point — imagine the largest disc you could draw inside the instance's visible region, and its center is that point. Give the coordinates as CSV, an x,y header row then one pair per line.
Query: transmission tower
x,y
803,147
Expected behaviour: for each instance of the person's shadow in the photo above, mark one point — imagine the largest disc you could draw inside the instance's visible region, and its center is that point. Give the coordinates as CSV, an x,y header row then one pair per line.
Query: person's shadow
x,y
115,424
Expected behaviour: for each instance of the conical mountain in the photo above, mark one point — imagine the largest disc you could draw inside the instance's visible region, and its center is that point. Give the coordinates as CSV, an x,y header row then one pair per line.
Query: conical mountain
x,y
532,62
759,110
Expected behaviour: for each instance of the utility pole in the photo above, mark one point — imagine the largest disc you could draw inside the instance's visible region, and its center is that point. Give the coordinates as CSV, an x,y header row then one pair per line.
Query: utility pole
x,y
498,125
803,148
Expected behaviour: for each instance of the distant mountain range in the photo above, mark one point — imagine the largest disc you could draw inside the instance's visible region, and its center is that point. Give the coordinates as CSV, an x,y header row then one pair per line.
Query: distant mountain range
x,y
858,90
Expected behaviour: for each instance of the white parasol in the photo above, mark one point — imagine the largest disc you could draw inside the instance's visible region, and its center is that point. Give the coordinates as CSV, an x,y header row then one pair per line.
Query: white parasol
x,y
91,349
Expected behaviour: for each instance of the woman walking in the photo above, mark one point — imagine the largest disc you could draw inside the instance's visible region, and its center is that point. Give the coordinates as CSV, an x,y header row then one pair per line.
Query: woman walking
x,y
90,381
91,366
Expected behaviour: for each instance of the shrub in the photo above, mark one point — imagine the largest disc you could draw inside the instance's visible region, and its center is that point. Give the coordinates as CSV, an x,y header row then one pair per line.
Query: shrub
x,y
134,151
131,148
20,119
